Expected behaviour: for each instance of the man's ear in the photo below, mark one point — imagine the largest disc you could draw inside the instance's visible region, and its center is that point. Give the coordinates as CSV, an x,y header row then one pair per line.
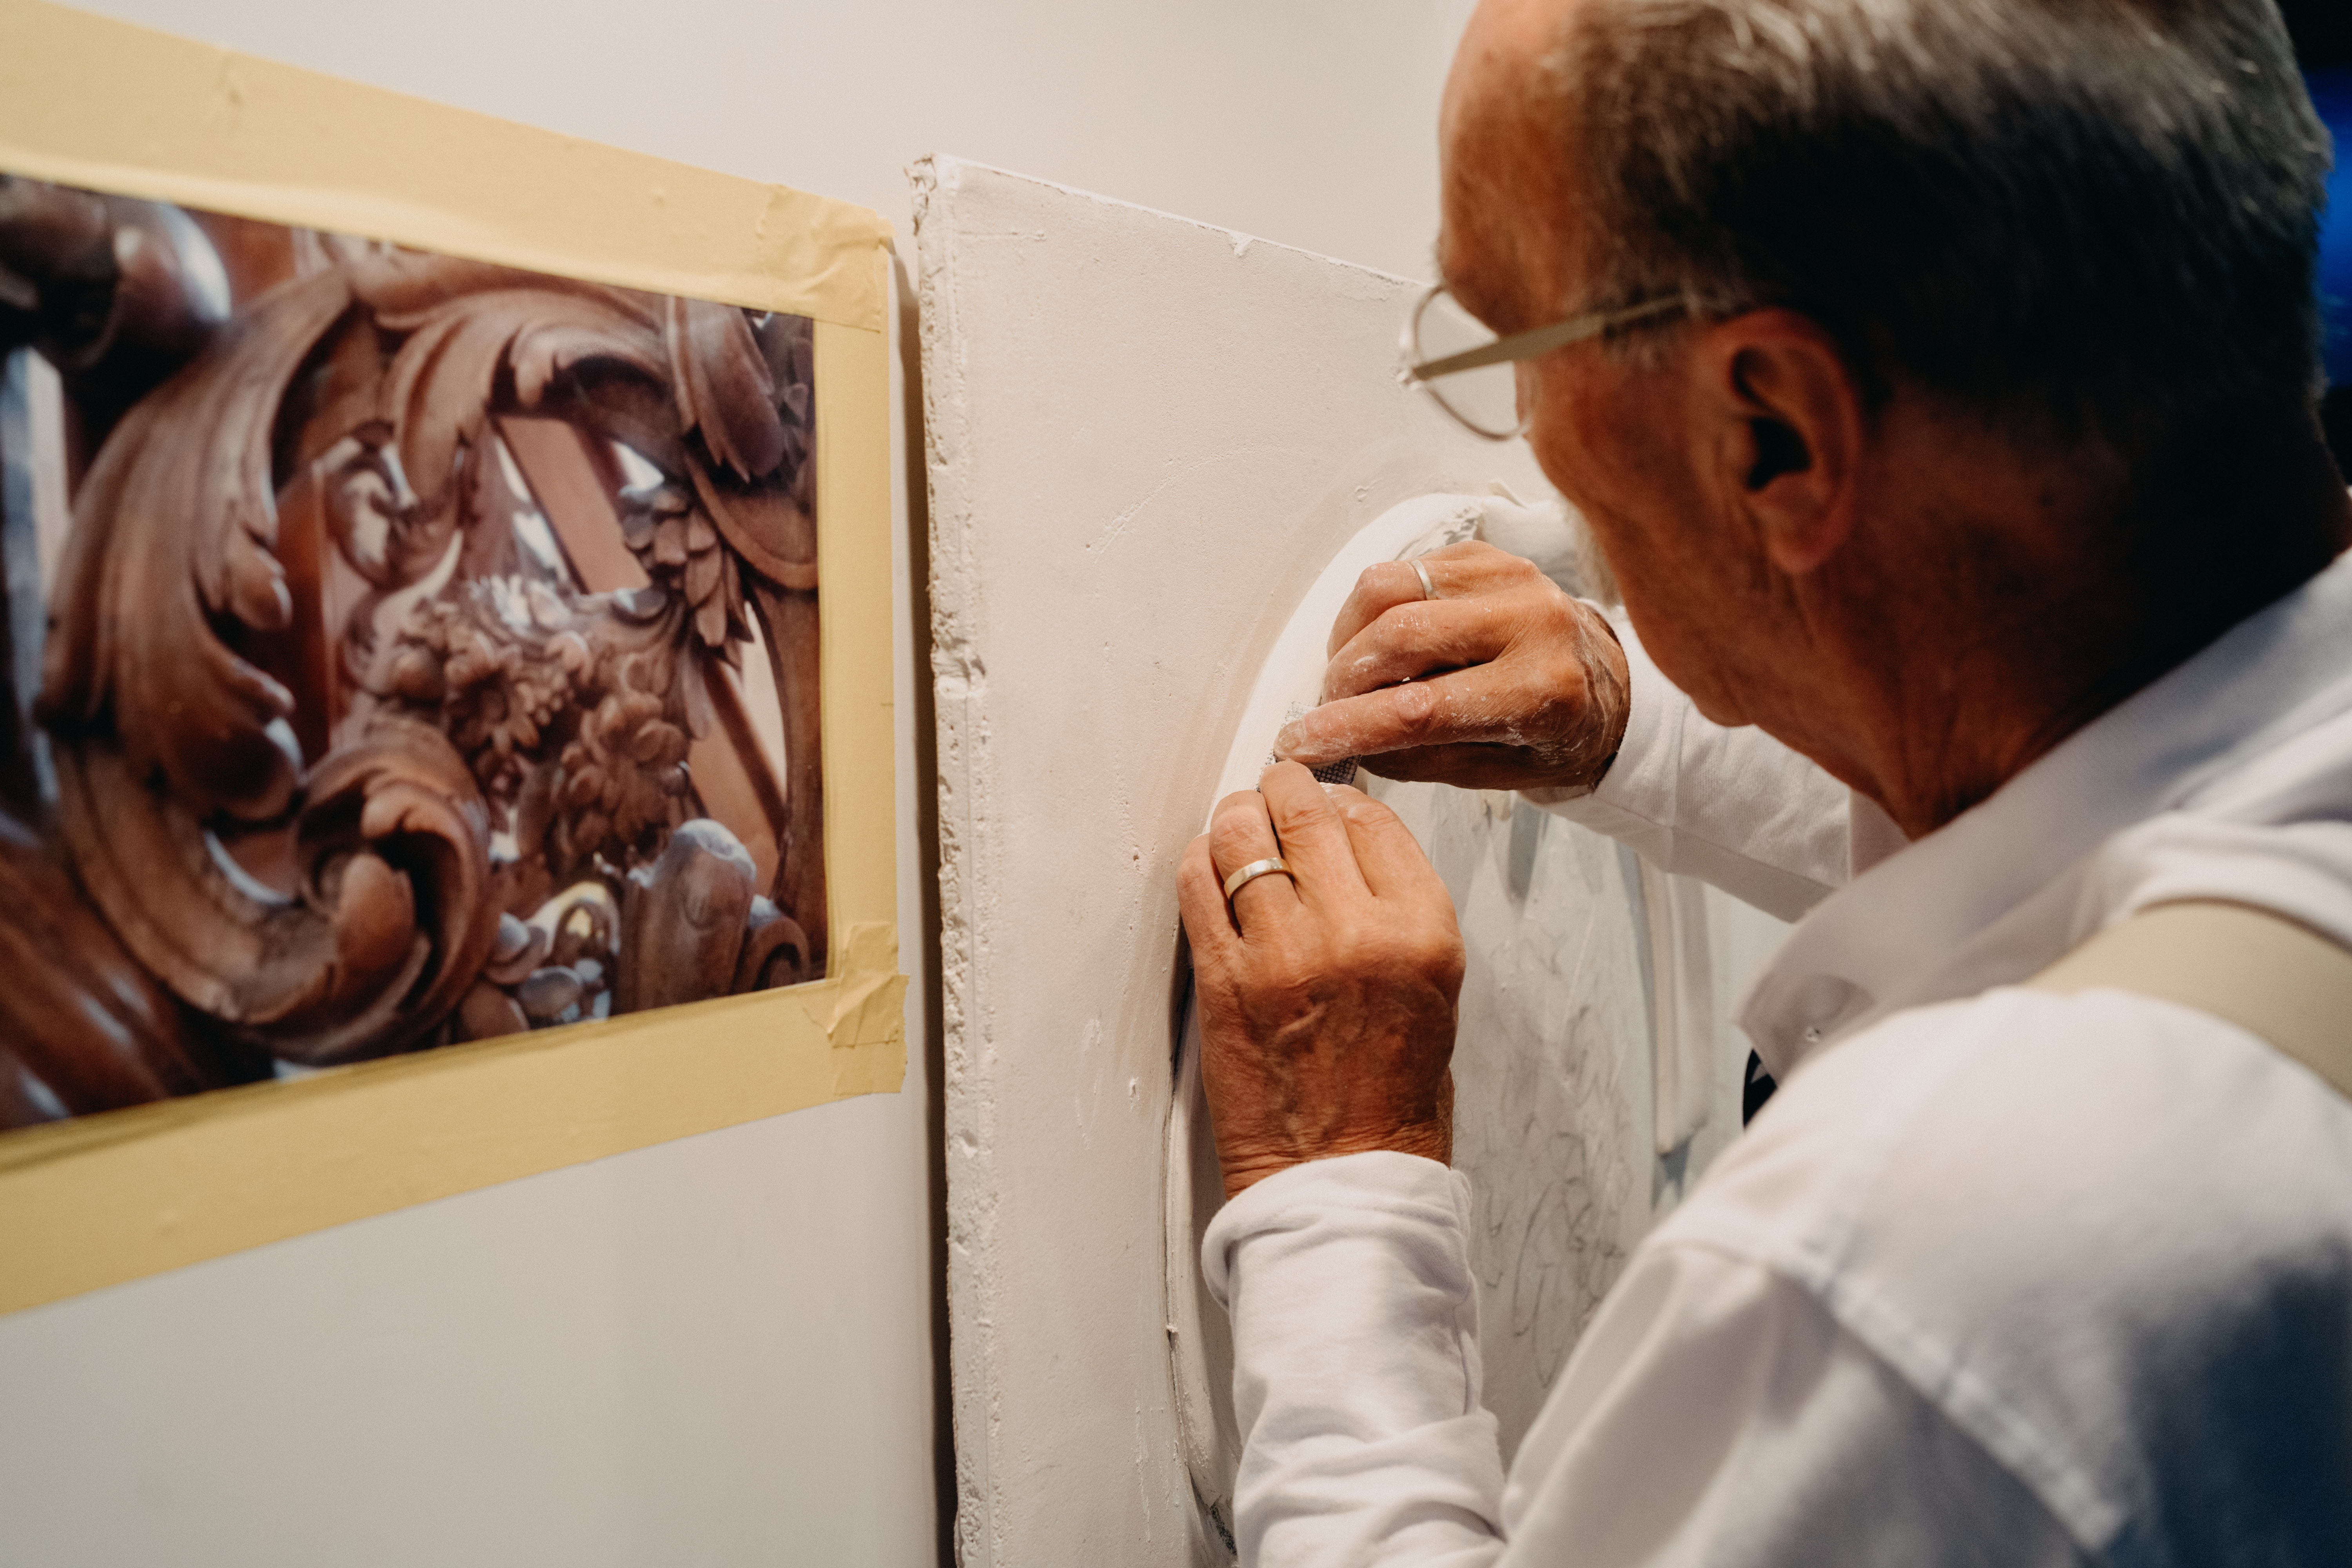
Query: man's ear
x,y
1788,425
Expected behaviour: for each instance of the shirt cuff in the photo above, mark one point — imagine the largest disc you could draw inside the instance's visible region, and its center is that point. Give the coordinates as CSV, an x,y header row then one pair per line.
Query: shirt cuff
x,y
1406,1189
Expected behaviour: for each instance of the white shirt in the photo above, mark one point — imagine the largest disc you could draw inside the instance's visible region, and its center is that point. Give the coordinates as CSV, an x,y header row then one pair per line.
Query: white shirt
x,y
1998,1277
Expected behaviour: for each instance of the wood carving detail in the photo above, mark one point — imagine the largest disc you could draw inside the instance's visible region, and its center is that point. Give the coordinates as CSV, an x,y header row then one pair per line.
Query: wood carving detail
x,y
393,687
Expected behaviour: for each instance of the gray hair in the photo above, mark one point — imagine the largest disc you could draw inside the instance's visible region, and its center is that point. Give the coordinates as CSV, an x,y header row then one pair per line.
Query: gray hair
x,y
2071,217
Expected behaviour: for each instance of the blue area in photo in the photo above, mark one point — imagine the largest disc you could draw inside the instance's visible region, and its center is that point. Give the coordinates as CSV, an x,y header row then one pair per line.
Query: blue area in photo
x,y
2331,93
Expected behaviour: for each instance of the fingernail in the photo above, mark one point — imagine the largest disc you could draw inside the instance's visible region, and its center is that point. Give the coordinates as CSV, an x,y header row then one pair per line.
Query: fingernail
x,y
1285,741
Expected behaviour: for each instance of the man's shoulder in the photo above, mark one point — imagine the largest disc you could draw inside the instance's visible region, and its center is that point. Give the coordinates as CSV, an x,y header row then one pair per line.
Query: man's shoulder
x,y
2021,1132
2109,1236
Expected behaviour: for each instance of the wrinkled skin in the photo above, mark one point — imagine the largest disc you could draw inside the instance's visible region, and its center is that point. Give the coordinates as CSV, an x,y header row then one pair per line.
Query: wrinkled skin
x,y
1326,1001
1502,681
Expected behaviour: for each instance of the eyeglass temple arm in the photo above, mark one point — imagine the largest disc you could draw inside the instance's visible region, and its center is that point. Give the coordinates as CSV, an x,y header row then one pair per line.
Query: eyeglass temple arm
x,y
1540,341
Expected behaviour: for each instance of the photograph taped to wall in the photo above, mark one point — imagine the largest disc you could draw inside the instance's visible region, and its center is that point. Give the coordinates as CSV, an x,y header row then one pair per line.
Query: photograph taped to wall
x,y
370,873
404,650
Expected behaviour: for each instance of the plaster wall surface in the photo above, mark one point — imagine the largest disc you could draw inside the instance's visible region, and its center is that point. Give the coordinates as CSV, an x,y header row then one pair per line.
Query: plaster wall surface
x,y
1556,1067
1147,437
720,1350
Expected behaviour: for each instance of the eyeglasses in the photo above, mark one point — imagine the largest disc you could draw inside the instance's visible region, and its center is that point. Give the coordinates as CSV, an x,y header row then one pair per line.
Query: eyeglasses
x,y
1443,341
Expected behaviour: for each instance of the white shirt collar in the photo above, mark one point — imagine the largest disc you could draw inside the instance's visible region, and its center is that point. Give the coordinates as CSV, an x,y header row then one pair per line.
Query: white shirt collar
x,y
1987,899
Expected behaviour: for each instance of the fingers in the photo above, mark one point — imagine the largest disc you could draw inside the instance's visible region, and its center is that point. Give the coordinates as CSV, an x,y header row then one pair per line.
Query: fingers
x,y
1381,589
1317,737
1418,639
1433,642
1200,902
1456,572
1517,682
1289,814
1388,857
1314,840
1241,832
1486,702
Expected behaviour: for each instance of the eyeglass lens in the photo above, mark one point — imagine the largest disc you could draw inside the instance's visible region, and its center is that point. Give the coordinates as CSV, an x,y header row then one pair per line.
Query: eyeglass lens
x,y
1485,399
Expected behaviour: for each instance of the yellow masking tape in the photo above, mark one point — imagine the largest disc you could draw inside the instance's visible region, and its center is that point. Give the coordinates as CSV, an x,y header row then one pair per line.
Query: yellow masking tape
x,y
874,1004
106,105
106,1198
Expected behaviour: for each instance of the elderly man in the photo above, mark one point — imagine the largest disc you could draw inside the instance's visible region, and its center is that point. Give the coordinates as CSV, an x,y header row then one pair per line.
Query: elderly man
x,y
1938,378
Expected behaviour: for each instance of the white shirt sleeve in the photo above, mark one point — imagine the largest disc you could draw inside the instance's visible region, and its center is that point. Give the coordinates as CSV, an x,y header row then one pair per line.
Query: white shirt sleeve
x,y
1714,1413
1732,807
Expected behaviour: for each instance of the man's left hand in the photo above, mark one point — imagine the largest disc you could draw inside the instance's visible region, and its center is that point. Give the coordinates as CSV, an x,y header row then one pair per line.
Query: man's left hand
x,y
1327,996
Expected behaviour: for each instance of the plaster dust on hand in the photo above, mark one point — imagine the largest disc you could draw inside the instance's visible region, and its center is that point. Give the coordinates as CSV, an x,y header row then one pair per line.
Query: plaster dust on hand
x,y
1127,595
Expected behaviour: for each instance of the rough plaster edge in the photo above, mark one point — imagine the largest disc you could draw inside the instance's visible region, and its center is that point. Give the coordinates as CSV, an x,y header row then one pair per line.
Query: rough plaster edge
x,y
959,681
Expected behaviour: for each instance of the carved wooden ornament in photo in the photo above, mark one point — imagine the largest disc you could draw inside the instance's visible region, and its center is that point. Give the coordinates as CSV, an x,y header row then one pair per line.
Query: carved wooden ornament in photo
x,y
443,636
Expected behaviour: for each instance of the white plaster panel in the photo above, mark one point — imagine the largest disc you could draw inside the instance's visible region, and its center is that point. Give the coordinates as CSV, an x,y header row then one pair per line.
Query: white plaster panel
x,y
1556,1067
1146,437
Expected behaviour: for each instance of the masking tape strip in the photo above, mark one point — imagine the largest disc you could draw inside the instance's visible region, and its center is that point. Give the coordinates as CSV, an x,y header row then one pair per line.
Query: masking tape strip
x,y
111,107
98,1201
871,1004
104,1199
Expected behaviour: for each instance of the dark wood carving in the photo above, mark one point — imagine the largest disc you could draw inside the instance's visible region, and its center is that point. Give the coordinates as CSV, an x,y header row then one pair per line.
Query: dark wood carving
x,y
390,691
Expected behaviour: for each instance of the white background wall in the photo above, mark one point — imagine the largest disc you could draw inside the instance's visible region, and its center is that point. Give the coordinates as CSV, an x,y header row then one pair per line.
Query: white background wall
x,y
719,1351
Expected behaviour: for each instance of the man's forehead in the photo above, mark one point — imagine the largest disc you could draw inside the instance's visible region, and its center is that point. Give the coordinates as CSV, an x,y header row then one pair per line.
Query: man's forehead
x,y
1504,156
1501,69
1500,32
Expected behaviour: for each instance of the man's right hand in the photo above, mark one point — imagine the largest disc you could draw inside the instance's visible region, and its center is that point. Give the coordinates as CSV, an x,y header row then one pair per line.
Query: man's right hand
x,y
1501,681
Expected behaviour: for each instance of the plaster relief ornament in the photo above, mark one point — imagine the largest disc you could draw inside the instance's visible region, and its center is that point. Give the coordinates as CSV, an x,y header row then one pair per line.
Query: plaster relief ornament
x,y
401,674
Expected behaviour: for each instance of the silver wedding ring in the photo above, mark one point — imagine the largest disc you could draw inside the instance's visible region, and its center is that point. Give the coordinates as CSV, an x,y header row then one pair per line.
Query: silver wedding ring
x,y
1428,588
1254,871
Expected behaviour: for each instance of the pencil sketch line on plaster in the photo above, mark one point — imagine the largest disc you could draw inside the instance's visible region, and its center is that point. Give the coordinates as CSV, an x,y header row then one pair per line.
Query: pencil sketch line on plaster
x,y
1117,525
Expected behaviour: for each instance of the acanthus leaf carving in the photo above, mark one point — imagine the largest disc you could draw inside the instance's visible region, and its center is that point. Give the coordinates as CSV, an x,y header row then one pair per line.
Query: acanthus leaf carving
x,y
496,748
725,389
174,529
386,927
445,379
772,531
